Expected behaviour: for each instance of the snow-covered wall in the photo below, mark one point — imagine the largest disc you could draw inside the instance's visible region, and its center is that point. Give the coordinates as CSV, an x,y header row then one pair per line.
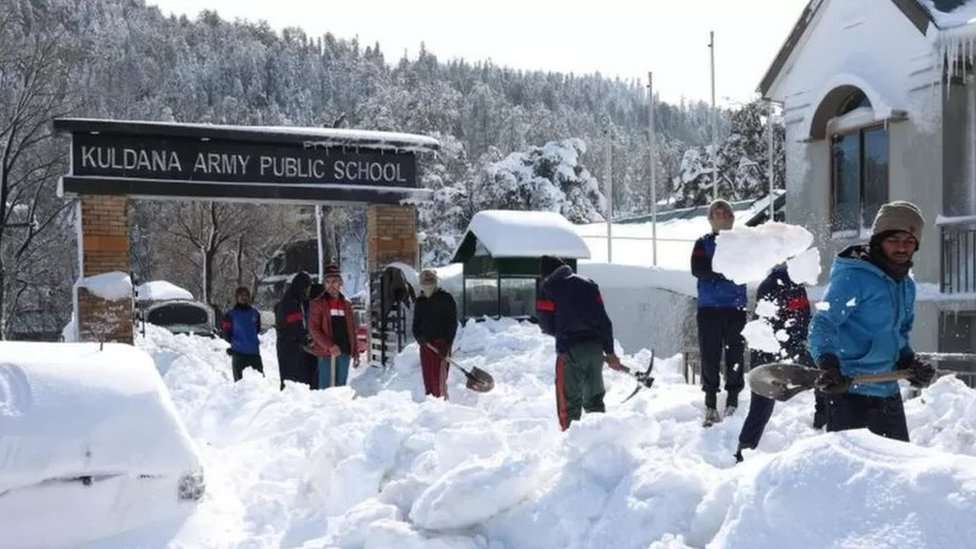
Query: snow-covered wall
x,y
650,308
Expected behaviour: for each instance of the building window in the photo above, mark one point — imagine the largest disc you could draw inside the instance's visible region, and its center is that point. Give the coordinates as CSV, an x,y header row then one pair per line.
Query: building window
x,y
859,174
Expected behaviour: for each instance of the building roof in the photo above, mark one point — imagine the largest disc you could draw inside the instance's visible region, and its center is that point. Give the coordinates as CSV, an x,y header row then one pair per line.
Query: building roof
x,y
922,13
504,233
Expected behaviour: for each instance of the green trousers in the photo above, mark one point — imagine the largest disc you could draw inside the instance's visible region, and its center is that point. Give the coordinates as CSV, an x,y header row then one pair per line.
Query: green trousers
x,y
579,382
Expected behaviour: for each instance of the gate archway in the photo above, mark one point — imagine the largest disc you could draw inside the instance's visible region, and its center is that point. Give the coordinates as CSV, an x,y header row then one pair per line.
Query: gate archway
x,y
114,161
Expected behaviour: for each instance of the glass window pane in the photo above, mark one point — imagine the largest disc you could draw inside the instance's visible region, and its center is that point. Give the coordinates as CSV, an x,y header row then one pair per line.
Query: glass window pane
x,y
875,173
846,191
481,297
518,297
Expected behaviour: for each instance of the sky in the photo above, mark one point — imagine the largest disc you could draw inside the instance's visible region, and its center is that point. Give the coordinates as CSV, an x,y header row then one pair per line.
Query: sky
x,y
622,38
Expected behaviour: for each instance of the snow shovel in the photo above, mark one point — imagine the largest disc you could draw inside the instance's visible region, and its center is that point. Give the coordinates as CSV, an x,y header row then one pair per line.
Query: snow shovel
x,y
782,381
479,380
644,379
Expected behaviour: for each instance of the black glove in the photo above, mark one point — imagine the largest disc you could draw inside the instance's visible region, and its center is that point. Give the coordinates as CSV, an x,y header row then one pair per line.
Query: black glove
x,y
831,380
922,373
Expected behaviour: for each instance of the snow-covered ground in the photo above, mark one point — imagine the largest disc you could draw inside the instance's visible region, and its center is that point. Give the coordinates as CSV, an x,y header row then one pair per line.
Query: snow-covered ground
x,y
377,465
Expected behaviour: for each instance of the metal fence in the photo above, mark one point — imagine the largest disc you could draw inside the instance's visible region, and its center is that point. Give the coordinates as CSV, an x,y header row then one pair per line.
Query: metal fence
x,y
958,270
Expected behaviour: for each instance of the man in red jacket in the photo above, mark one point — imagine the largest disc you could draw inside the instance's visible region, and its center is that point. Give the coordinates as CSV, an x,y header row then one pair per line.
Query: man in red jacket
x,y
333,332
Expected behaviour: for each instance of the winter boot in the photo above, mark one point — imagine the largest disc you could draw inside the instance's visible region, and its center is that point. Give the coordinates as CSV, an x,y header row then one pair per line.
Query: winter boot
x,y
738,454
731,403
711,417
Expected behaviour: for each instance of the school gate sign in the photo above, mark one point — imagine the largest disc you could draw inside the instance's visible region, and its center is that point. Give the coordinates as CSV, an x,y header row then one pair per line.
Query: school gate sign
x,y
113,161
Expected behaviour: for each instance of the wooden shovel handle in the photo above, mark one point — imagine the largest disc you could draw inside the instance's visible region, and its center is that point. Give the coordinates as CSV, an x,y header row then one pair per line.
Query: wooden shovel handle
x,y
894,375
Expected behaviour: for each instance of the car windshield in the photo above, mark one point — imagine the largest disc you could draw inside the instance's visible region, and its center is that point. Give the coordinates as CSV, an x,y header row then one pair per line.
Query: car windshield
x,y
177,313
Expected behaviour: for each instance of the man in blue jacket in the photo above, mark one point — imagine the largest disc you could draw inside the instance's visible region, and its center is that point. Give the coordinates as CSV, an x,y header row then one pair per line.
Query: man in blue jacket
x,y
721,318
864,324
570,308
240,327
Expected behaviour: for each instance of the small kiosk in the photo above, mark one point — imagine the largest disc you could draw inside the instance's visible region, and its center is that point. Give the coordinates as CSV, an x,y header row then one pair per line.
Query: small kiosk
x,y
500,253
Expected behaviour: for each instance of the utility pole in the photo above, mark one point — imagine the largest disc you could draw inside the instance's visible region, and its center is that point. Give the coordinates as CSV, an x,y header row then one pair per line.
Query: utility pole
x,y
318,236
711,49
608,171
772,156
652,142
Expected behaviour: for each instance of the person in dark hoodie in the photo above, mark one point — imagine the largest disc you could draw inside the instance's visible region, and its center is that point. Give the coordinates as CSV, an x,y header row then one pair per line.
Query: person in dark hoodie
x,y
240,326
570,308
864,326
291,323
721,318
790,316
435,323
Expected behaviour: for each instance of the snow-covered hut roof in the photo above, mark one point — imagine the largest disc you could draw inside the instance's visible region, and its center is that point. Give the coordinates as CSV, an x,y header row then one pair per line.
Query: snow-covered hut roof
x,y
504,233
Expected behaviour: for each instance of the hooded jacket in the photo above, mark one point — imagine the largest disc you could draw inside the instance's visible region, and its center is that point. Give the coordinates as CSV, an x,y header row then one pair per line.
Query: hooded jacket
x,y
290,312
570,308
792,315
866,320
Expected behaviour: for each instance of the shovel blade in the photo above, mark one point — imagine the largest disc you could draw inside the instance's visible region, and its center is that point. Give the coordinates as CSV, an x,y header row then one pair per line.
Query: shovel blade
x,y
479,380
781,381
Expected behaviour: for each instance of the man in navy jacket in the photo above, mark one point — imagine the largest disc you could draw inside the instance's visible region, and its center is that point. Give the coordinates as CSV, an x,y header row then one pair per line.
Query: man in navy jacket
x,y
240,327
721,318
571,309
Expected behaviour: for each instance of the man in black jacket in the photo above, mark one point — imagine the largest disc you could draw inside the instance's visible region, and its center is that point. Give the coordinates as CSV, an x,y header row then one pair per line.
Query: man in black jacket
x,y
291,326
570,308
788,313
435,323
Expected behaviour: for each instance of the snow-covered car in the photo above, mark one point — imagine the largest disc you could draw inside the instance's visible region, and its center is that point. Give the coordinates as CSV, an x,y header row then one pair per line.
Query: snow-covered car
x,y
91,445
181,316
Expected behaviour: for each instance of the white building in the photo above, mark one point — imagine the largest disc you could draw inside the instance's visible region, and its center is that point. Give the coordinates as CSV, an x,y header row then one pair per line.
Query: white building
x,y
879,102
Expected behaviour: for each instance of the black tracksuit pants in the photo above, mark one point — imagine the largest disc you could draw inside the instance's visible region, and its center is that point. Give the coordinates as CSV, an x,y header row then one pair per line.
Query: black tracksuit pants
x,y
240,361
761,409
720,332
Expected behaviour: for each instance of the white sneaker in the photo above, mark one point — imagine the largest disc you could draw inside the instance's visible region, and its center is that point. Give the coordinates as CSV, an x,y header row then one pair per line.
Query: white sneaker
x,y
729,411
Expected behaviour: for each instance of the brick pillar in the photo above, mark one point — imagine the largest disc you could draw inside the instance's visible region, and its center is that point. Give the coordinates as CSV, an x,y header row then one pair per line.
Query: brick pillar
x,y
392,235
104,245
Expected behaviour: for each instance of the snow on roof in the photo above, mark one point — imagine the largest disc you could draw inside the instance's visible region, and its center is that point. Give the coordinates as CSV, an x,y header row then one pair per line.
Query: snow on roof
x,y
109,286
613,276
963,13
507,233
158,290
313,136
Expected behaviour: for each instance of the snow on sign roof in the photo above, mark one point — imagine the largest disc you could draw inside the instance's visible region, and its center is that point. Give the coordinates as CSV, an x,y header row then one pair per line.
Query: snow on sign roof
x,y
526,234
310,137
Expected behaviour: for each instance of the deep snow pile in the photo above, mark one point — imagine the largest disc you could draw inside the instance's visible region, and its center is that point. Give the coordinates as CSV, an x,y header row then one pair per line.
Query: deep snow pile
x,y
377,465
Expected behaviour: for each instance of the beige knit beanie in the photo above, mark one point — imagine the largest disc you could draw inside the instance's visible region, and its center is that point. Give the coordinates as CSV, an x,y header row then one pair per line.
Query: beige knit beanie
x,y
899,216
